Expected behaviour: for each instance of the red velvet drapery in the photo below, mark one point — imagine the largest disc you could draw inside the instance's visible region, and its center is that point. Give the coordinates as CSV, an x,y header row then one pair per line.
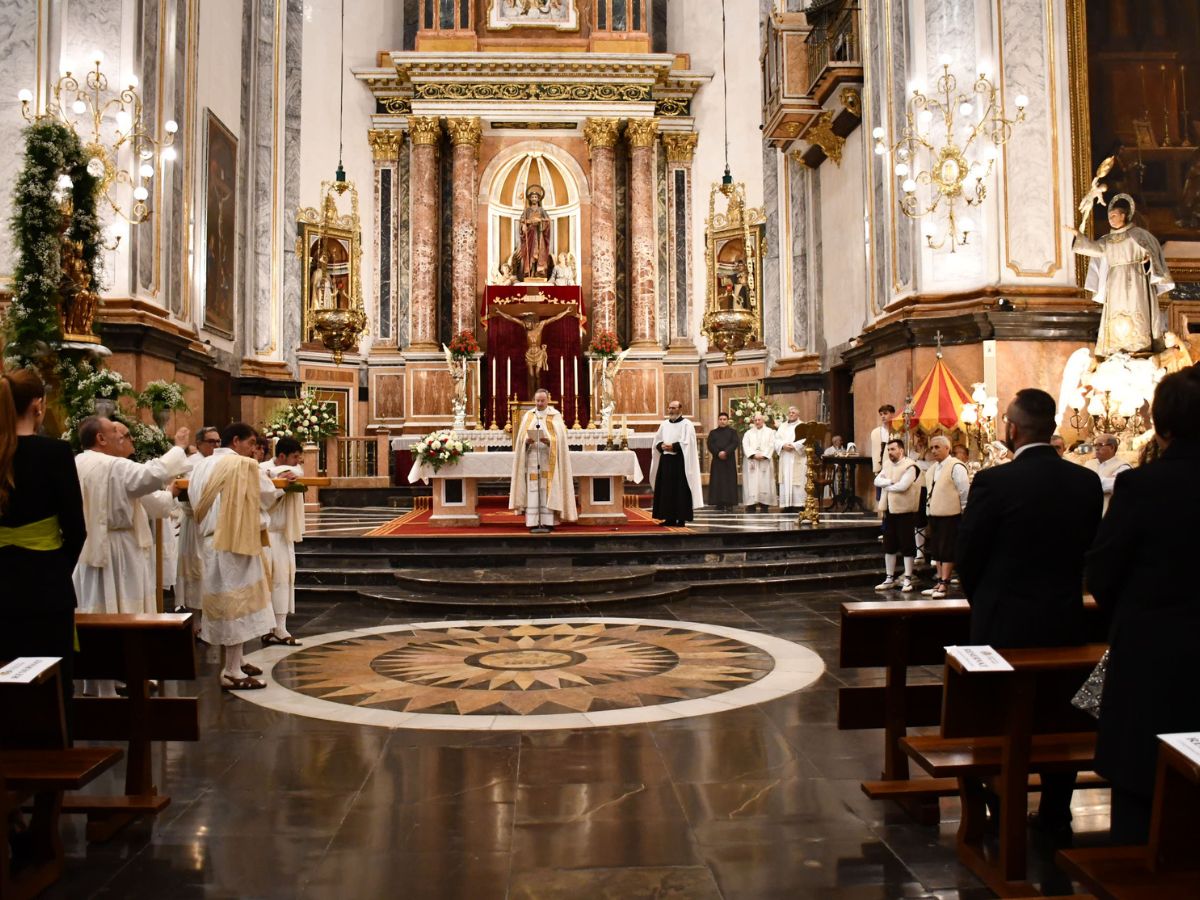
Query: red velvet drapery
x,y
506,343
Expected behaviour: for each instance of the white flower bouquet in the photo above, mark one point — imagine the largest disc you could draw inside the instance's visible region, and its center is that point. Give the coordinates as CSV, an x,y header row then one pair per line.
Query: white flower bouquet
x,y
744,409
308,419
441,448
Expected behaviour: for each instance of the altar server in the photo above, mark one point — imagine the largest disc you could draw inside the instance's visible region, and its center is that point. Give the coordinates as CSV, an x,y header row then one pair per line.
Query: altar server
x,y
1107,464
723,445
115,573
675,469
900,495
230,496
758,476
947,482
285,529
541,483
793,464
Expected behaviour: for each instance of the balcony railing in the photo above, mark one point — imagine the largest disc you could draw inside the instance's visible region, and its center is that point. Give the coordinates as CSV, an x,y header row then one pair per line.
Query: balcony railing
x,y
833,44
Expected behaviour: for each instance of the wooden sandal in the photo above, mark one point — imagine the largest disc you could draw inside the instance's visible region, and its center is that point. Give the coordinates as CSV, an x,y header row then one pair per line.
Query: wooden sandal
x,y
240,684
271,639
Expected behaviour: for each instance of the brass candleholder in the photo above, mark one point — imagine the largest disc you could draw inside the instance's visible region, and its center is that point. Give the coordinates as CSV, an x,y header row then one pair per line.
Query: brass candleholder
x,y
810,516
624,445
577,426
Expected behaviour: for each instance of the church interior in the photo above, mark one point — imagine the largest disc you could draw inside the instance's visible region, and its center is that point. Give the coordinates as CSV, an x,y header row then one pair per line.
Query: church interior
x,y
495,267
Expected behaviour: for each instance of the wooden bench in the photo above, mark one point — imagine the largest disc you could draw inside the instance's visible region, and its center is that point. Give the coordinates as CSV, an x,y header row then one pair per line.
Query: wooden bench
x,y
894,635
134,649
1168,867
36,766
999,727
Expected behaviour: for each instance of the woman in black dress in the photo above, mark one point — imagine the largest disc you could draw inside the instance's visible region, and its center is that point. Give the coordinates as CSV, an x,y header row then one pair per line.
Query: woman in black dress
x,y
41,529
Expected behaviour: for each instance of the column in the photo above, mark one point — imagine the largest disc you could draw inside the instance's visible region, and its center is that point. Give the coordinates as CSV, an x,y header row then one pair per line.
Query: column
x,y
424,132
465,134
385,151
680,147
643,250
601,135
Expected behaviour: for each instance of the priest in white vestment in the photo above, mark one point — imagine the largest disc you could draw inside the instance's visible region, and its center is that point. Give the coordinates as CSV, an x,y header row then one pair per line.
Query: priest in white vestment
x,y
230,496
793,463
190,566
1107,464
675,469
758,474
285,529
541,485
115,572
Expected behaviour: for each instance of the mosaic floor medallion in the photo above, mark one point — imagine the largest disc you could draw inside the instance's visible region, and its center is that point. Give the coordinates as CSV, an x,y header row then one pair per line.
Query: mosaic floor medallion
x,y
531,674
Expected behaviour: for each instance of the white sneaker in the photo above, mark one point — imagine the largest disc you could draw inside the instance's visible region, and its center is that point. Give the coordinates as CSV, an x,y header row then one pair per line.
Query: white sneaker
x,y
906,587
928,592
886,585
938,594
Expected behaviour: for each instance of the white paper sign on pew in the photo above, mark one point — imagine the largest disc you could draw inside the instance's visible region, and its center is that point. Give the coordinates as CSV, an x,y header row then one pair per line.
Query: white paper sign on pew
x,y
26,669
980,658
1187,743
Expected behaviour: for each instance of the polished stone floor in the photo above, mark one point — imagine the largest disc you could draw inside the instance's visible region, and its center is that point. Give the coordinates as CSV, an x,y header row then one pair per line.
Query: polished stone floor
x,y
760,801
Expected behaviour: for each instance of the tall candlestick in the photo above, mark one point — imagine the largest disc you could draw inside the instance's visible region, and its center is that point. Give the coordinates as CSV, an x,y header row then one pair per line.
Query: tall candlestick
x,y
1187,126
562,383
1166,89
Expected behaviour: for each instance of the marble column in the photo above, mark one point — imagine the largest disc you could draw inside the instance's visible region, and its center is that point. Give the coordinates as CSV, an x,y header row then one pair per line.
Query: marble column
x,y
643,251
465,134
601,135
385,152
424,133
681,148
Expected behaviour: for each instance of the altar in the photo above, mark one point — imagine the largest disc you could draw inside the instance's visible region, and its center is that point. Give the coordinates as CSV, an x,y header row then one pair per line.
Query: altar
x,y
601,475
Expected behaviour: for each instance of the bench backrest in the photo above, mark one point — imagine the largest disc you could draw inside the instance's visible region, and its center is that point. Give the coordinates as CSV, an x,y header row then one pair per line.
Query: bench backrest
x,y
135,647
31,715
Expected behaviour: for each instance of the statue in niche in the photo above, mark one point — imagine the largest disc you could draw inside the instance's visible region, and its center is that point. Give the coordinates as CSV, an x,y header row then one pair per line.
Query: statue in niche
x,y
537,357
503,276
564,269
533,260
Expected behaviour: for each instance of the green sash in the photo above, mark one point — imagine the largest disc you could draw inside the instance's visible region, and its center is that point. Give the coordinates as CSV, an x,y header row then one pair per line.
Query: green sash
x,y
42,535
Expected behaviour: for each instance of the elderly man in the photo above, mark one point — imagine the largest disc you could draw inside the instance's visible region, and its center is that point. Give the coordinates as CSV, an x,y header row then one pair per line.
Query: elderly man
x,y
1059,445
899,484
793,464
835,446
541,484
675,469
114,573
946,486
190,565
758,477
1107,465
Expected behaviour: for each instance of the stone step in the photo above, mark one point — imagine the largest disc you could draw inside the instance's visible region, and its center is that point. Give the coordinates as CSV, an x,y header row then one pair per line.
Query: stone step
x,y
525,581
791,584
726,570
649,593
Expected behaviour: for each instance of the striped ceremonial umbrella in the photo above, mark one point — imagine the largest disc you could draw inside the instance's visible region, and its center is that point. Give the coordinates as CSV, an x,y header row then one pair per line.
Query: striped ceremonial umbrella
x,y
937,403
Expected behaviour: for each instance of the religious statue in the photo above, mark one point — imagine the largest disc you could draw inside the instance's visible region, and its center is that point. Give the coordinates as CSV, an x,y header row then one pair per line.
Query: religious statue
x,y
503,276
458,374
564,269
1127,273
537,358
533,254
609,367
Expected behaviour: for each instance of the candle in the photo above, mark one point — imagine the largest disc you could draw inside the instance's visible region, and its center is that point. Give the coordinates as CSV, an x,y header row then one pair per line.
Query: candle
x,y
508,377
479,389
562,383
492,386
575,380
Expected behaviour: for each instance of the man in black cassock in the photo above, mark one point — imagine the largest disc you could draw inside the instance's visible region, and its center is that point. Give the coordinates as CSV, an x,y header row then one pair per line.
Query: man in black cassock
x,y
723,444
675,470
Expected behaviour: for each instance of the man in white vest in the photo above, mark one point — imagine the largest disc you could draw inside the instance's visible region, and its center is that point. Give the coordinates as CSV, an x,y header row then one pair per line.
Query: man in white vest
x,y
793,465
877,443
900,494
1107,465
758,476
541,485
946,485
675,469
285,529
115,573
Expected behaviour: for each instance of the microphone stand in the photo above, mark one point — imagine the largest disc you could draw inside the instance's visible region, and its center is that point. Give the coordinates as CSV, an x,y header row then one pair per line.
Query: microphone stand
x,y
539,528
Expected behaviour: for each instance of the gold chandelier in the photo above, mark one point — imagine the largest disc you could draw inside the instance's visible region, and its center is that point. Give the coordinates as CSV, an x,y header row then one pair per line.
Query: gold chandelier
x,y
976,126
87,108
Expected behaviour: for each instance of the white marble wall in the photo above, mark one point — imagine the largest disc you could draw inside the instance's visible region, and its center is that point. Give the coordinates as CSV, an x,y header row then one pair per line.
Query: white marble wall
x,y
18,69
844,249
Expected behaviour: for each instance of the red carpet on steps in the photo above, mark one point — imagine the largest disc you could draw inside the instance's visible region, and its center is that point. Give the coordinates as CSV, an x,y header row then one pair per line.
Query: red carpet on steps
x,y
497,519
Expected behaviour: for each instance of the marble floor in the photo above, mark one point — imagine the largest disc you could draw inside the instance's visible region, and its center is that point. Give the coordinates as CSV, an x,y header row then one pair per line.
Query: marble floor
x,y
757,801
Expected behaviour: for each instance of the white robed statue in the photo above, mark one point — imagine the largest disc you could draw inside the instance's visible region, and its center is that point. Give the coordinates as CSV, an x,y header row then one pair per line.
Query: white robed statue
x,y
541,485
1127,274
793,462
758,474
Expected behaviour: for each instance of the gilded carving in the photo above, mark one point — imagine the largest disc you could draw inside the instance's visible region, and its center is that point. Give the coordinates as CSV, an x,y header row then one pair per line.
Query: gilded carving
x,y
680,145
851,100
601,132
820,133
424,129
552,92
395,106
672,106
641,132
465,130
385,144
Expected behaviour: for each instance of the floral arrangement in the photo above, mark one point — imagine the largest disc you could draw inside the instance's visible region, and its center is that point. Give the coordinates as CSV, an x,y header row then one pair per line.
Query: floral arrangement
x,y
441,448
604,345
105,384
744,409
464,345
306,419
163,395
149,441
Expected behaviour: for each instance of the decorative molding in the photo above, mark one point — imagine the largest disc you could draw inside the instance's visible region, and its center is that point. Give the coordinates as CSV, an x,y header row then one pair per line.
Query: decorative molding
x,y
424,129
820,133
641,132
851,100
394,106
554,92
385,144
601,132
681,146
465,130
670,107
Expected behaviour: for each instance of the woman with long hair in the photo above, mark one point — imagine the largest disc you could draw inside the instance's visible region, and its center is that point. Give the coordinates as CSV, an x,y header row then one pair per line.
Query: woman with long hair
x,y
41,529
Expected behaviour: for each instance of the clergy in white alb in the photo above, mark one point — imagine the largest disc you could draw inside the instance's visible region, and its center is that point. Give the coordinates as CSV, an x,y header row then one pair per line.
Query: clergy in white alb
x,y
758,474
541,485
115,572
793,463
1107,464
285,529
230,496
191,549
675,469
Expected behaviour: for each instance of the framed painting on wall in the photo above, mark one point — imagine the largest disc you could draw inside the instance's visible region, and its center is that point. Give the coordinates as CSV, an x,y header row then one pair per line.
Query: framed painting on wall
x,y
562,15
220,221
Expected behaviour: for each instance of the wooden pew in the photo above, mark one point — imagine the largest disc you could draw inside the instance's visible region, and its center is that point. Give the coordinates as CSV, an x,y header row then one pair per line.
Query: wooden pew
x,y
1167,868
134,649
1000,727
37,764
894,635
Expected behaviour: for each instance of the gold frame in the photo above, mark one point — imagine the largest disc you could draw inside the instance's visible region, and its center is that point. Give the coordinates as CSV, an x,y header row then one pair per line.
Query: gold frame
x,y
748,224
1081,131
497,24
313,224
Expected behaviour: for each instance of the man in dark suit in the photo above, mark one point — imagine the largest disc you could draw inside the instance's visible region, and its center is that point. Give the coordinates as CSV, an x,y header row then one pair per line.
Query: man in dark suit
x,y
1020,553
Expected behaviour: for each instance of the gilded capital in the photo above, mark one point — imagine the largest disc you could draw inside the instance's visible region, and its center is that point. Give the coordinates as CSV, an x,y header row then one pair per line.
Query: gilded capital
x,y
641,132
681,145
601,132
424,129
385,144
465,130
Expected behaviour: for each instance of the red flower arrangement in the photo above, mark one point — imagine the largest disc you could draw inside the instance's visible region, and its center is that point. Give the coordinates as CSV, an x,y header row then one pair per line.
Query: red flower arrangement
x,y
604,345
464,345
